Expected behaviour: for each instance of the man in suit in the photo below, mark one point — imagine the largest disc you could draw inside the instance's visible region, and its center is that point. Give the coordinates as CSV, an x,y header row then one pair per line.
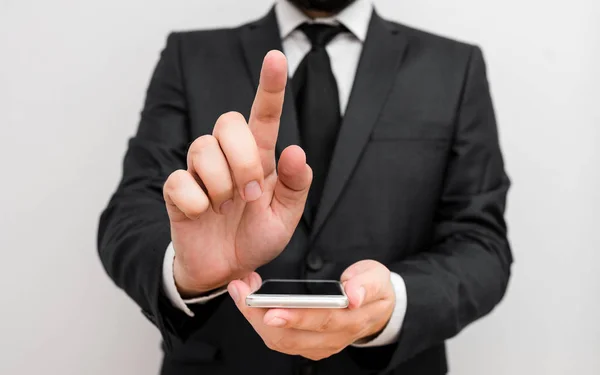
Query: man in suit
x,y
397,188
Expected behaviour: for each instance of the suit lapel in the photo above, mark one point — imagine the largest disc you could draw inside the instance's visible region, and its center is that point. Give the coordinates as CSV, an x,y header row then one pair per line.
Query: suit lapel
x,y
380,59
258,38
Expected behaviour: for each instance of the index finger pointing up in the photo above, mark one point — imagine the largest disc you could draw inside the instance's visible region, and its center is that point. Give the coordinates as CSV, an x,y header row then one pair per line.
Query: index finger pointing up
x,y
267,106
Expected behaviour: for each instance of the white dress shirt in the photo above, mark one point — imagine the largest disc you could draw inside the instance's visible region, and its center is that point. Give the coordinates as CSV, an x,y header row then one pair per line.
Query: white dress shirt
x,y
344,53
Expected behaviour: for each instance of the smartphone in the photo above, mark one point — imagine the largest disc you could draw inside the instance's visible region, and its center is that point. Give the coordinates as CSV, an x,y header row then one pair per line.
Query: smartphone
x,y
311,294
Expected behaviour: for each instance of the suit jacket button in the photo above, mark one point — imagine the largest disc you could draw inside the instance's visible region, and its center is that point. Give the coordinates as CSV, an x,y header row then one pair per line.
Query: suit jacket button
x,y
314,262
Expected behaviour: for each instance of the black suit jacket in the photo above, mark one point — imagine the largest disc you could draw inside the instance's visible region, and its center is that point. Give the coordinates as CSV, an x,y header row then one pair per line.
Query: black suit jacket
x,y
417,182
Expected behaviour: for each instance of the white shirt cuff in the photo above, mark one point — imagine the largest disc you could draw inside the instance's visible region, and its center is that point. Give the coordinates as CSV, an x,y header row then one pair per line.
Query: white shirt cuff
x,y
390,333
168,281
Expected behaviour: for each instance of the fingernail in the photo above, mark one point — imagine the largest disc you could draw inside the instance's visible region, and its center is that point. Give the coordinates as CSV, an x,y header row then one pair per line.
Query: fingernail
x,y
252,191
226,206
361,295
277,322
234,294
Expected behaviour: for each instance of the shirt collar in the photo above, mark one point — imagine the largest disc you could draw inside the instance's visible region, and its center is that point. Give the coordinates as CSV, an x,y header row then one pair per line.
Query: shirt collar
x,y
355,17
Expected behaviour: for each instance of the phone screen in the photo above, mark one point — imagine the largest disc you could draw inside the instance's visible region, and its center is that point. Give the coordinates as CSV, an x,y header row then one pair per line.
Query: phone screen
x,y
295,287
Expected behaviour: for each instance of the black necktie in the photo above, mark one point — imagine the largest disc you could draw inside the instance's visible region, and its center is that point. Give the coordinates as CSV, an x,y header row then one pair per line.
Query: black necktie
x,y
318,106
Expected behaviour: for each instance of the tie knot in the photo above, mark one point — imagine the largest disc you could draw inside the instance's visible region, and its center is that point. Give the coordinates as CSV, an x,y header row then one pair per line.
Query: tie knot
x,y
321,34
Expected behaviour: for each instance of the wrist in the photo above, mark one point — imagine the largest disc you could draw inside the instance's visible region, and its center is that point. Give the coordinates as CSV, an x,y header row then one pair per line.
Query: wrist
x,y
189,288
186,287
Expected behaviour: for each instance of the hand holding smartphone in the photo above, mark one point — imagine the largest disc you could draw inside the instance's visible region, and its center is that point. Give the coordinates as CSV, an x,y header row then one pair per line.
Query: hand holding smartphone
x,y
273,293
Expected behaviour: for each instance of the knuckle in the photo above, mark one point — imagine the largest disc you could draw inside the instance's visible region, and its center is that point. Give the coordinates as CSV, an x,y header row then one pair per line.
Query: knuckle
x,y
270,344
368,265
203,141
326,324
336,346
226,120
194,211
247,167
219,187
297,321
200,144
174,189
222,194
371,262
285,344
174,180
267,115
336,350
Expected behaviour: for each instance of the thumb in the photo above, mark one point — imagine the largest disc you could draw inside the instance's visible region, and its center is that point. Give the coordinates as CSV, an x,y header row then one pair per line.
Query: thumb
x,y
239,290
293,182
366,281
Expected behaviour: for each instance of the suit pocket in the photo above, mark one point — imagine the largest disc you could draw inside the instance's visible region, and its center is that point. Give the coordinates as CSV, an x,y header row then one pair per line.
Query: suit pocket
x,y
411,129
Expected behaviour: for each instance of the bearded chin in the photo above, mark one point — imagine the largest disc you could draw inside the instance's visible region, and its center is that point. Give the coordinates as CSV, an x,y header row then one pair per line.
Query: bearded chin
x,y
322,5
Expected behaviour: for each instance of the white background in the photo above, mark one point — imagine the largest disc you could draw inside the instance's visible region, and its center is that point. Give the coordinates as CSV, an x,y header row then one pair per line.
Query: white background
x,y
72,79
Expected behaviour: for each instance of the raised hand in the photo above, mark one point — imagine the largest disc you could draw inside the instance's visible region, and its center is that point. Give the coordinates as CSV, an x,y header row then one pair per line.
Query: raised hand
x,y
234,209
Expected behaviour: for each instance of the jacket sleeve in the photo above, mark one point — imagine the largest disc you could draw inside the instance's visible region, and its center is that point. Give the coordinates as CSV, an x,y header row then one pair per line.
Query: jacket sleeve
x,y
464,275
134,231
